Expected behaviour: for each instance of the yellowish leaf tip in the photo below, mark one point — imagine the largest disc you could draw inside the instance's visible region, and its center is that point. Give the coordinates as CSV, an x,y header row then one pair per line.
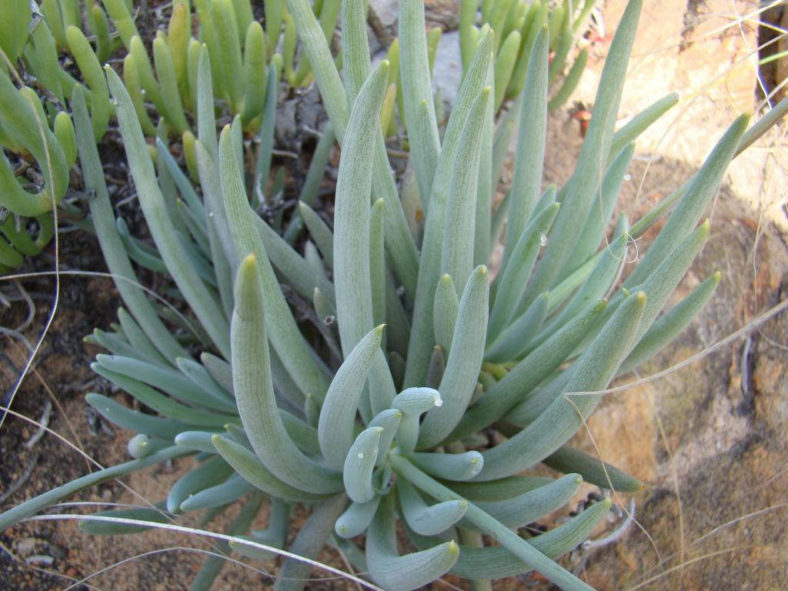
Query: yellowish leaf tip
x,y
641,297
453,548
717,276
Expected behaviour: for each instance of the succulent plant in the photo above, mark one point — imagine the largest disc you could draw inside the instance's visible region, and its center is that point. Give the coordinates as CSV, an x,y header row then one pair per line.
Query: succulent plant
x,y
516,24
34,39
363,377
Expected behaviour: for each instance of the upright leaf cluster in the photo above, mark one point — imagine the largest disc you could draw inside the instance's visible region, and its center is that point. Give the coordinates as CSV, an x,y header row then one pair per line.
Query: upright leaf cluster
x,y
362,372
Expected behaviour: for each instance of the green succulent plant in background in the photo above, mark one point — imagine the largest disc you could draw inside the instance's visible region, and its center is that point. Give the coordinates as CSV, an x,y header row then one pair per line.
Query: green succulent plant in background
x,y
53,46
516,24
362,373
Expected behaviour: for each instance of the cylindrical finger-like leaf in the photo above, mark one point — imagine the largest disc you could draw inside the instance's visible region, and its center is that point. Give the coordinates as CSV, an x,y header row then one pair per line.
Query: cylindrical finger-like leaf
x,y
690,208
136,421
355,47
599,282
162,404
598,217
255,73
407,572
319,55
464,466
444,314
122,20
196,440
178,37
168,81
428,520
310,540
421,335
504,66
641,122
131,77
571,80
28,508
515,339
222,494
413,402
458,250
590,373
508,539
515,276
671,324
359,464
254,391
320,232
23,121
496,562
166,379
209,474
530,146
593,470
228,47
527,374
302,366
377,262
246,463
141,446
584,184
661,283
417,90
356,518
199,297
64,132
111,245
352,214
389,421
462,367
145,70
335,427
521,510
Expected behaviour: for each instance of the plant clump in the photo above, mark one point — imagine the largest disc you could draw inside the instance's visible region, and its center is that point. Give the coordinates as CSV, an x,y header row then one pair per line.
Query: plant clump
x,y
362,373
